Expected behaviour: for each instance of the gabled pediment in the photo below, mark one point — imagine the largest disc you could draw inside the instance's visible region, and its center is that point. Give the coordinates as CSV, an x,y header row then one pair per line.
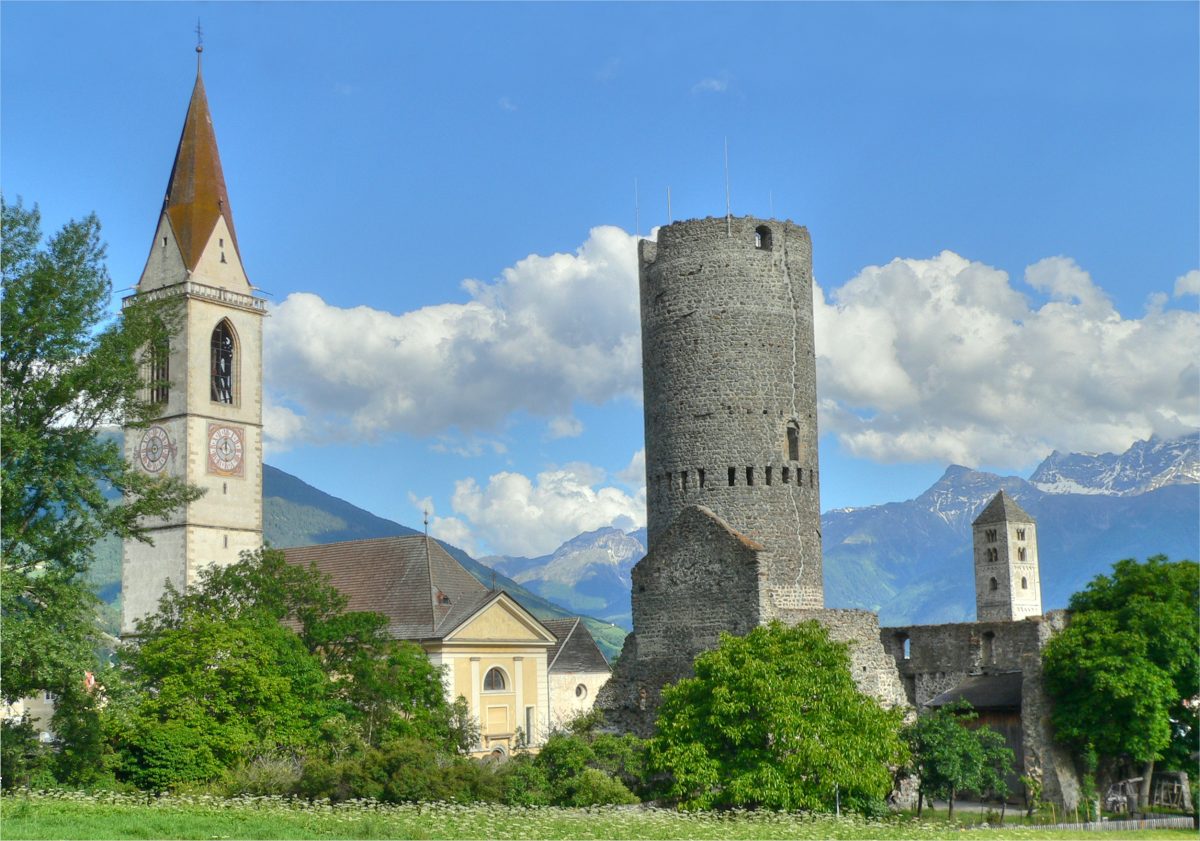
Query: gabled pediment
x,y
501,619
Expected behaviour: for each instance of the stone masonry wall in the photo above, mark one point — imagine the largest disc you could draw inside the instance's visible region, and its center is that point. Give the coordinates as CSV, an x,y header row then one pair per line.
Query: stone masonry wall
x,y
940,657
699,579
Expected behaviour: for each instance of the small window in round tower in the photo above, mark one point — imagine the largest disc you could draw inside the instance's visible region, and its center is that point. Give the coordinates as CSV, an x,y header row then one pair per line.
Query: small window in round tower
x,y
1024,583
762,238
993,584
793,441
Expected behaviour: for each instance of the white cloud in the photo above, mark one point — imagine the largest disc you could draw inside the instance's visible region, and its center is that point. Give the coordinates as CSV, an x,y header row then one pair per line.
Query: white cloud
x,y
549,331
515,515
942,359
711,85
1188,284
506,104
634,474
564,426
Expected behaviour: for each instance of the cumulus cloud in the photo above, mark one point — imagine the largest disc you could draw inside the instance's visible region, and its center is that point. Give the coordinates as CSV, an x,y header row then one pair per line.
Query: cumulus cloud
x,y
944,360
711,85
1188,284
515,515
549,331
564,426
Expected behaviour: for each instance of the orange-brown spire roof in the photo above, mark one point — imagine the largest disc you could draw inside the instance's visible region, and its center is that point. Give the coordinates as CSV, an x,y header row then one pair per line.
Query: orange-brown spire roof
x,y
196,194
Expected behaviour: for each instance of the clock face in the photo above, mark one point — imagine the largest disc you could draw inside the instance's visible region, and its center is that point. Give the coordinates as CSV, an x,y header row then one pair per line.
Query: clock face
x,y
155,448
225,449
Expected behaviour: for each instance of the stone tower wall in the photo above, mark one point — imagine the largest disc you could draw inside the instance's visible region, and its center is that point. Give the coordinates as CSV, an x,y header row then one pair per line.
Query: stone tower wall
x,y
729,367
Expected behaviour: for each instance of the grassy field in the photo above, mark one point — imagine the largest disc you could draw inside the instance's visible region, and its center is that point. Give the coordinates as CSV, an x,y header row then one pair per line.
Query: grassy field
x,y
72,815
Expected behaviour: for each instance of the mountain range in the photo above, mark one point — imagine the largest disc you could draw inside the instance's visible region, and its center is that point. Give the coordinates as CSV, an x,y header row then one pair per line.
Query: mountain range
x,y
909,561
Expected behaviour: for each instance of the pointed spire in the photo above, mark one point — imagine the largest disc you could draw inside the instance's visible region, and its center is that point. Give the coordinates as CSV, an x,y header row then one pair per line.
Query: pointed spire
x,y
1002,508
196,194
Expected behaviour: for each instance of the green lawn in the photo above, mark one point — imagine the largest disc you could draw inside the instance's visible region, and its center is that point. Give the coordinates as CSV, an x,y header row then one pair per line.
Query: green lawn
x,y
71,815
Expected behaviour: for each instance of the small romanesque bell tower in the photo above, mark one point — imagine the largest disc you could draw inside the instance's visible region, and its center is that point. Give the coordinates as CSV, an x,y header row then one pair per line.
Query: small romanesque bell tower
x,y
209,429
1007,583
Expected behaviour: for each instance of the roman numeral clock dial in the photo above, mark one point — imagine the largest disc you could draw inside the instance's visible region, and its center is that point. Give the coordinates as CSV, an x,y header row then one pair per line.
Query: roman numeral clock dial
x,y
226,446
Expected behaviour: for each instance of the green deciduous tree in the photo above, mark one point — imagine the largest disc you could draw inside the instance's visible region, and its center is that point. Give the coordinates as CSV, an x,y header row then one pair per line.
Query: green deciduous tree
x,y
259,660
950,758
68,369
1121,671
774,720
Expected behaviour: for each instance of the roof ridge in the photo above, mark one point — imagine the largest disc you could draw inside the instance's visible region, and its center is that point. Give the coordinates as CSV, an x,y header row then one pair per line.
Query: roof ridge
x,y
563,645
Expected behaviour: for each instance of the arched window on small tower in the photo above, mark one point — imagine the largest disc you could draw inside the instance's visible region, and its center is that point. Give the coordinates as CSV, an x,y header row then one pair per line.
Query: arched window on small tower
x,y
793,441
1024,583
762,238
993,584
224,359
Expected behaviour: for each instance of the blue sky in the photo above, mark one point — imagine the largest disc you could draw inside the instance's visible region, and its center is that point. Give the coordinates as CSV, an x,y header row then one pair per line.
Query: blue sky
x,y
439,201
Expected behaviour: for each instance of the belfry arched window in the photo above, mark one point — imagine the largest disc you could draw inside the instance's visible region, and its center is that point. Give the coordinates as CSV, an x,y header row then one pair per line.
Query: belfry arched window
x,y
159,373
224,364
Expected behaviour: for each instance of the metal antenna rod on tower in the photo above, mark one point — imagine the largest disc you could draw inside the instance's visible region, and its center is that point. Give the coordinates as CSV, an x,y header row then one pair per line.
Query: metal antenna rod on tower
x,y
637,212
771,202
426,523
670,218
728,210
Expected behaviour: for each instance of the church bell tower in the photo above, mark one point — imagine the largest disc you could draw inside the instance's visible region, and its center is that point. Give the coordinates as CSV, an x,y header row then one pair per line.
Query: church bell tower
x,y
208,431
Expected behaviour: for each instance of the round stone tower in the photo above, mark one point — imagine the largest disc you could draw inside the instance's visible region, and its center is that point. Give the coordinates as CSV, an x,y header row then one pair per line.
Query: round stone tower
x,y
730,391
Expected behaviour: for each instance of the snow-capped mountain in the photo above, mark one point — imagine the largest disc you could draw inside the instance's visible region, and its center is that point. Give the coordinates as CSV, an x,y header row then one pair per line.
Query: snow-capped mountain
x,y
911,561
1143,467
589,573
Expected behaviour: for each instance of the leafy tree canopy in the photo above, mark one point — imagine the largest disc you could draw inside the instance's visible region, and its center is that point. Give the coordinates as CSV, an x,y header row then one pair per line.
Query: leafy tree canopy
x,y
950,758
1121,671
774,720
260,657
68,369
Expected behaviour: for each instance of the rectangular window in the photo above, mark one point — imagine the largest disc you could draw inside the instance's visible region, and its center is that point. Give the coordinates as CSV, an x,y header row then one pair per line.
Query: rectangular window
x,y
750,476
769,469
683,480
700,476
732,476
787,475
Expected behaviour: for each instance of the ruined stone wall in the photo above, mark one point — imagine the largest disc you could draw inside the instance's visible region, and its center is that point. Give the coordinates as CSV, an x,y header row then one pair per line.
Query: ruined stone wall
x,y
938,658
699,579
871,663
729,378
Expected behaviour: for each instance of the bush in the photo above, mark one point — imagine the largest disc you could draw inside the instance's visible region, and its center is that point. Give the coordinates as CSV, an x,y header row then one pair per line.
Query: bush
x,y
264,775
24,760
573,771
524,783
161,756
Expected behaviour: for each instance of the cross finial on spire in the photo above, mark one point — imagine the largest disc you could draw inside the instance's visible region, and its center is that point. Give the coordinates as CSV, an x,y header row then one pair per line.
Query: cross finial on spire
x,y
199,42
426,512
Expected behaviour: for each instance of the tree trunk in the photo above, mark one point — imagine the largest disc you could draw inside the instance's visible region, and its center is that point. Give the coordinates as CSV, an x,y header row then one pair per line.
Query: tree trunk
x,y
1003,807
1144,788
920,799
951,814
